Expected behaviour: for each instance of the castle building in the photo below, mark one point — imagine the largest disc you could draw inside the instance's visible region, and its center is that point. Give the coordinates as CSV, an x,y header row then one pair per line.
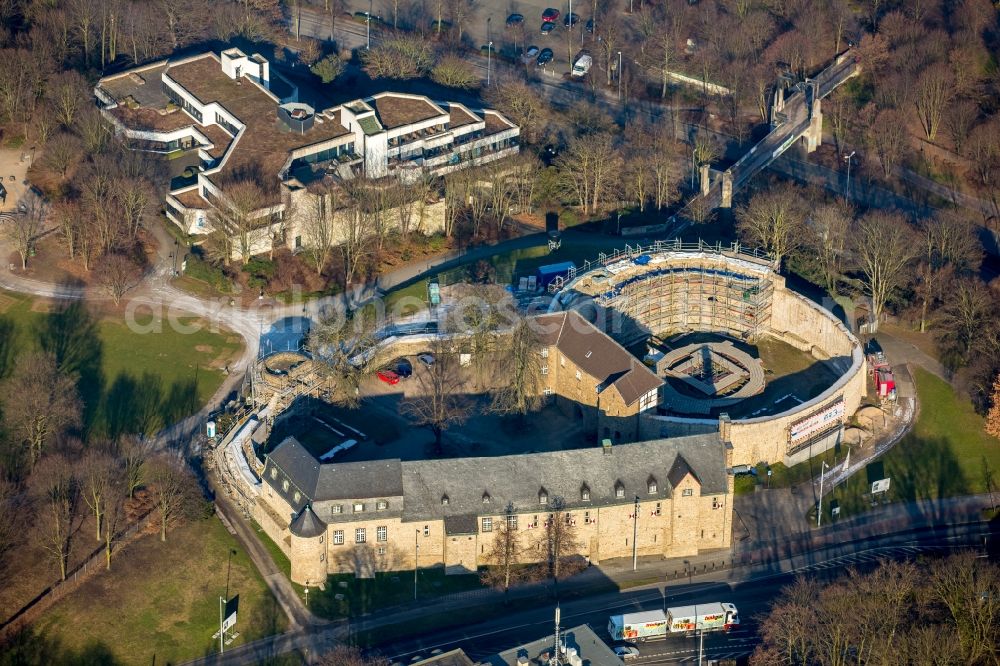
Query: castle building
x,y
384,515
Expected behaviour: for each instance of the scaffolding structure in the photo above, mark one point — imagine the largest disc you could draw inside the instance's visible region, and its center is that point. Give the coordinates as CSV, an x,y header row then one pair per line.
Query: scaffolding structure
x,y
694,297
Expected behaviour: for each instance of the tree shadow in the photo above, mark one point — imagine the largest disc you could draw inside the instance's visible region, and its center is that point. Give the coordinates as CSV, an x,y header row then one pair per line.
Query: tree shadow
x,y
8,340
29,647
71,334
132,406
180,401
927,469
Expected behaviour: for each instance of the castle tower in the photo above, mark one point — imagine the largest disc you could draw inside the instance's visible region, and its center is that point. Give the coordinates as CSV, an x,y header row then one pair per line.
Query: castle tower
x,y
308,548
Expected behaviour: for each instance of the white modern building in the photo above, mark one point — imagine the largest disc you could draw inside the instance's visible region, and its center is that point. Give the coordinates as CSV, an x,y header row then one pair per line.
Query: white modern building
x,y
231,118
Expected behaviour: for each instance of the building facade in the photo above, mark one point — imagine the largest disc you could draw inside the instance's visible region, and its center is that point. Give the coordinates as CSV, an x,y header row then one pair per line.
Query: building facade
x,y
242,121
386,515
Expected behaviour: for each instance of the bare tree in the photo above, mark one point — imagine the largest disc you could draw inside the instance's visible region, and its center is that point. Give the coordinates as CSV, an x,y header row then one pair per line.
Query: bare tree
x,y
935,90
239,225
455,72
950,248
520,367
24,228
827,232
62,152
344,343
967,311
519,102
478,313
319,227
886,134
117,274
560,542
114,515
588,167
133,451
773,220
401,57
98,471
970,589
56,493
440,402
40,403
502,559
346,655
884,247
171,487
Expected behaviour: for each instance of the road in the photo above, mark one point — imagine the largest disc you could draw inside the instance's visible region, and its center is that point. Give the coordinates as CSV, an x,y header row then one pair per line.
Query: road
x,y
752,597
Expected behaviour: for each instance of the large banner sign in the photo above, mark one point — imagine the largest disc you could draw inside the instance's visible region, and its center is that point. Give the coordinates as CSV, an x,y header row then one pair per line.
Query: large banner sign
x,y
817,422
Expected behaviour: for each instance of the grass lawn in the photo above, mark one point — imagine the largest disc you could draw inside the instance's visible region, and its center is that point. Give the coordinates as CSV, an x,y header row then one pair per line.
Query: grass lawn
x,y
130,381
946,454
160,602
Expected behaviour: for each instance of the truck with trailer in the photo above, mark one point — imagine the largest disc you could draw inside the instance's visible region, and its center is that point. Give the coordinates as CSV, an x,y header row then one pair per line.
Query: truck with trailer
x,y
682,620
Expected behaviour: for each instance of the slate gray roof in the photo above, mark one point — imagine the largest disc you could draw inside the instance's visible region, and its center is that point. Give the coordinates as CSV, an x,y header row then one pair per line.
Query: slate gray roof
x,y
597,354
518,479
589,646
306,524
340,481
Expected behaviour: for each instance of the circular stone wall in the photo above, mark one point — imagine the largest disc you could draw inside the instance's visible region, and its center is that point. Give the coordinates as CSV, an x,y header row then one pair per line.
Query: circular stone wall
x,y
667,288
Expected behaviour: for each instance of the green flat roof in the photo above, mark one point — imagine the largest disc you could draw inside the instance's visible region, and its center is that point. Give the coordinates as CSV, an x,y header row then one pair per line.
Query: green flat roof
x,y
369,125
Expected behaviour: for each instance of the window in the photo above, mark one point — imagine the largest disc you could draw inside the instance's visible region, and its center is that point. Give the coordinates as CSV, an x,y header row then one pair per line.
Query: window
x,y
585,493
534,521
656,511
337,508
381,505
651,485
322,557
297,496
274,472
284,485
321,538
487,524
358,507
545,369
427,530
586,517
562,361
444,499
380,551
688,492
547,391
619,489
578,375
512,522
381,534
359,535
486,498
545,352
338,537
715,502
543,496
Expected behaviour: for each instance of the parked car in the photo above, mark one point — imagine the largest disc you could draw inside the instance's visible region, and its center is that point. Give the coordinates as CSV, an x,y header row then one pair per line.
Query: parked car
x,y
402,367
426,358
515,19
571,20
389,377
590,26
545,57
550,15
532,52
626,652
548,27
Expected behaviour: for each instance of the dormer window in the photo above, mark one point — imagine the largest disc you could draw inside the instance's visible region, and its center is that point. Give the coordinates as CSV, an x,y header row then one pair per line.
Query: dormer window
x,y
585,493
284,485
486,498
543,496
651,485
619,489
274,472
444,500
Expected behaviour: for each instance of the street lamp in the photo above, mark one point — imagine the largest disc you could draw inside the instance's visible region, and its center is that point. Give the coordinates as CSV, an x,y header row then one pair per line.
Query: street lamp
x,y
819,509
368,26
489,53
416,561
847,158
619,76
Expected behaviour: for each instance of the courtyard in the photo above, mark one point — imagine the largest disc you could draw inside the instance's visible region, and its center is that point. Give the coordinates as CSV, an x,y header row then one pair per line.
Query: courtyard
x,y
790,376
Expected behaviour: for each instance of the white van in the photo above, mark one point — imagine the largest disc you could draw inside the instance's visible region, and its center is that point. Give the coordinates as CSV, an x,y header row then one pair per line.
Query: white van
x,y
582,65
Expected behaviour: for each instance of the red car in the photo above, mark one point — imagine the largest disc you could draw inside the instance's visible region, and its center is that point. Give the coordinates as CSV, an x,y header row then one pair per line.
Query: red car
x,y
550,15
388,376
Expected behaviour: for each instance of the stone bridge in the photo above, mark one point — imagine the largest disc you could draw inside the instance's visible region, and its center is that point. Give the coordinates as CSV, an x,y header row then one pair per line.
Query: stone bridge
x,y
795,114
